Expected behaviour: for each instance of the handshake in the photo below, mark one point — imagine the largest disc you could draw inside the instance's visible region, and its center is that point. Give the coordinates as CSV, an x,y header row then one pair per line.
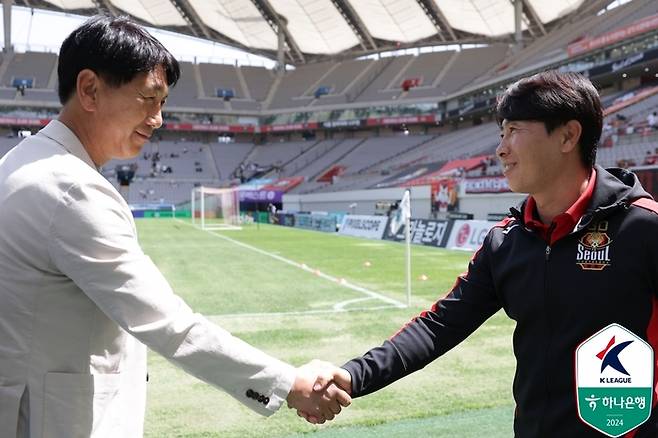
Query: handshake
x,y
320,391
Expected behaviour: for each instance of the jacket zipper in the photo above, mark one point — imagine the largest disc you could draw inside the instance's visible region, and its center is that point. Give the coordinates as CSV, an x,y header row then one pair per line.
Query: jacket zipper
x,y
549,340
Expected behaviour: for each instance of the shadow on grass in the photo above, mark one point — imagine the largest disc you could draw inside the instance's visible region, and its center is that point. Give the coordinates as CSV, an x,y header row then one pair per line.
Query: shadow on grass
x,y
492,423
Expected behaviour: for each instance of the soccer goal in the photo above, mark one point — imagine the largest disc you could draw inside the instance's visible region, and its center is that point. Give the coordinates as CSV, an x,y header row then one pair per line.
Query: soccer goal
x,y
215,209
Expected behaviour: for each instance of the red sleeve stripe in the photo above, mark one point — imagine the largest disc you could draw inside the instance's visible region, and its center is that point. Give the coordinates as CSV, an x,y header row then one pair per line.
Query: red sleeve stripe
x,y
647,204
652,338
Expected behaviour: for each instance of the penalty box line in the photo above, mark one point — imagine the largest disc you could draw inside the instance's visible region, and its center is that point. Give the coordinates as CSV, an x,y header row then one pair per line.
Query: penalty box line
x,y
304,267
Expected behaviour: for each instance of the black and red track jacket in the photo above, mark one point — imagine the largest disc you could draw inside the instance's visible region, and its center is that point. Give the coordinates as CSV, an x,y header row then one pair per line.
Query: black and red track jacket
x,y
555,302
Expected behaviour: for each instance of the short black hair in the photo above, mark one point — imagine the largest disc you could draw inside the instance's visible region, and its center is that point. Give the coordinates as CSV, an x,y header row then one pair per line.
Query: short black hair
x,y
555,98
115,48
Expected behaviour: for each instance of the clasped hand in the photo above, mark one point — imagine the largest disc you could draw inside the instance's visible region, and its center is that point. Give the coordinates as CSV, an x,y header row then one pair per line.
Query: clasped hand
x,y
320,391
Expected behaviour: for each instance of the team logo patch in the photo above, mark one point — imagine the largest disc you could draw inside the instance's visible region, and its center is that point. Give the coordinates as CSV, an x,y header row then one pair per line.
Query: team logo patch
x,y
593,251
614,380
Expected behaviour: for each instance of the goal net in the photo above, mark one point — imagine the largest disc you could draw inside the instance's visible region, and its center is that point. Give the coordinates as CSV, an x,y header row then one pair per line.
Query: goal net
x,y
215,209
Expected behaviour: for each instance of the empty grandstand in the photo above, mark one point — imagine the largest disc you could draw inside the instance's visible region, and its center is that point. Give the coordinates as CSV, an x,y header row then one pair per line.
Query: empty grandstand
x,y
379,109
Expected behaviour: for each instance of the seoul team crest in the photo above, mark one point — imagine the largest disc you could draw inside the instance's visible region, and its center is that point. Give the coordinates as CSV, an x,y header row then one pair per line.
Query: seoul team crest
x,y
593,251
614,380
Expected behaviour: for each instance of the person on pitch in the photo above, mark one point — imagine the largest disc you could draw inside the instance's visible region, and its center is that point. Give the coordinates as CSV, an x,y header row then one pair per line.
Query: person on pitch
x,y
79,300
577,256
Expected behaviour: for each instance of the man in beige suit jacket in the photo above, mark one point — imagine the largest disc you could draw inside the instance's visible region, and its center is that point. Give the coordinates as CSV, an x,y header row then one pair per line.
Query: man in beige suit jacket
x,y
79,300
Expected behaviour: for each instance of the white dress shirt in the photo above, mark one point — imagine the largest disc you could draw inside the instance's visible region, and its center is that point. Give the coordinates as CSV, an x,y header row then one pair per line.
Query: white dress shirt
x,y
79,301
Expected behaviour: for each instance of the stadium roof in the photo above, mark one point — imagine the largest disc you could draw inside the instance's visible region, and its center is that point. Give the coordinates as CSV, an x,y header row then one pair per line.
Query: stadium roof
x,y
316,29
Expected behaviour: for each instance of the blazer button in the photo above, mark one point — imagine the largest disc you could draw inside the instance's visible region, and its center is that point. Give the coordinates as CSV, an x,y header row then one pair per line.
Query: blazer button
x,y
250,393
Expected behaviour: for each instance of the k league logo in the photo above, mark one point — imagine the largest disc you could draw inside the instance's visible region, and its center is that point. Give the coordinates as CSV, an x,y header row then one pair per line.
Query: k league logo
x,y
614,380
610,357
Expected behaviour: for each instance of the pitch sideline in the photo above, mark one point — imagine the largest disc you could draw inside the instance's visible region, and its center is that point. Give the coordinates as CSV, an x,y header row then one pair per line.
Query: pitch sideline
x,y
338,307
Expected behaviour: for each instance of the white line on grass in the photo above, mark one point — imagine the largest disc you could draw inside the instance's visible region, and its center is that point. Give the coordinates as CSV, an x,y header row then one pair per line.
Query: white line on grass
x,y
340,281
343,304
300,312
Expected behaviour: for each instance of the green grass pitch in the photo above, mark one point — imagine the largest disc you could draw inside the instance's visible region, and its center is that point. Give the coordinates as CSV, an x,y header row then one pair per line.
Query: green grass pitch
x,y
241,281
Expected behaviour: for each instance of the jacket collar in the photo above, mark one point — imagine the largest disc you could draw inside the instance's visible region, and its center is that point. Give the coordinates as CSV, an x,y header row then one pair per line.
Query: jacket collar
x,y
62,135
614,188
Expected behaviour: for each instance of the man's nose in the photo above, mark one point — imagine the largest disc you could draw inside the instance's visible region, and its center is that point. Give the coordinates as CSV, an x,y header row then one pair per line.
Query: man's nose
x,y
501,149
155,120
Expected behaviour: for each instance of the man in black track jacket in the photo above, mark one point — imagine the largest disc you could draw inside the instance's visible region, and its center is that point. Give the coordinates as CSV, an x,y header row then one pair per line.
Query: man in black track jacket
x,y
579,254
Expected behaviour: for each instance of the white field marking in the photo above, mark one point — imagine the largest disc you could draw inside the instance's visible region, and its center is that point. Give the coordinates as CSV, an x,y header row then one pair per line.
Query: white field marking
x,y
300,312
303,266
343,304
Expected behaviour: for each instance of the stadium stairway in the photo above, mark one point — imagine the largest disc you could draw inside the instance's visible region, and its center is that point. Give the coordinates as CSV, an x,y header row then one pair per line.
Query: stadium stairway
x,y
378,68
397,79
318,158
198,80
338,160
444,71
392,158
243,83
359,78
274,173
6,61
272,92
292,167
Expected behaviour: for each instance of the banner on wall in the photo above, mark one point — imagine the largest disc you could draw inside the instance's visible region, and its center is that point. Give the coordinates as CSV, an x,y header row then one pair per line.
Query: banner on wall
x,y
637,27
370,227
289,127
490,184
23,121
429,232
285,219
444,194
208,127
317,222
400,120
260,196
468,235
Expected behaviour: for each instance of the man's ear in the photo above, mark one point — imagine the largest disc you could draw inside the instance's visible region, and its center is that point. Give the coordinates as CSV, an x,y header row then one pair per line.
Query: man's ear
x,y
86,87
570,135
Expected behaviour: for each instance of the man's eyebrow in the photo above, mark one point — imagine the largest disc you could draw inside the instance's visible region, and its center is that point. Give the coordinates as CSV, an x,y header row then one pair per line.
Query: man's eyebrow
x,y
154,89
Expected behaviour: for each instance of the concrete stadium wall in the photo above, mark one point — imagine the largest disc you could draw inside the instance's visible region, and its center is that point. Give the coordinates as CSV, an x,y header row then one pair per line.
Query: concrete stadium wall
x,y
365,200
482,204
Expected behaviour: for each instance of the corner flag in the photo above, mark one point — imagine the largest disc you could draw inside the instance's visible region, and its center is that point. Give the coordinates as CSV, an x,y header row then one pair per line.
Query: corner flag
x,y
405,205
405,212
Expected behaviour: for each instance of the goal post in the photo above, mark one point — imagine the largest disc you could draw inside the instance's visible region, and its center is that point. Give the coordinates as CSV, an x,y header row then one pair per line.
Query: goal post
x,y
215,209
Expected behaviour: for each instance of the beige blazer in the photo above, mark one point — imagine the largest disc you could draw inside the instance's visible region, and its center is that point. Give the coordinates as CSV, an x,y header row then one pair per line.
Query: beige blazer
x,y
79,301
